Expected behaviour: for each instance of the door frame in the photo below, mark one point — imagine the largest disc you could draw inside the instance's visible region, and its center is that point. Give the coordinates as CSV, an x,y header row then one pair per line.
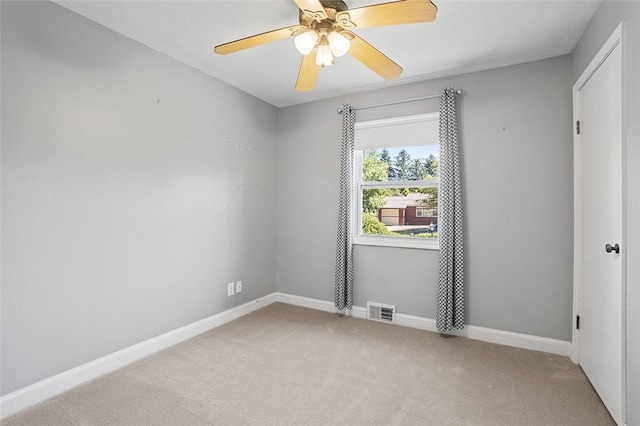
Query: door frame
x,y
617,38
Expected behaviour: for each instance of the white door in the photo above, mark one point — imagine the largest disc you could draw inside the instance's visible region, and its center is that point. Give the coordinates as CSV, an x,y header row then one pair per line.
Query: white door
x,y
598,195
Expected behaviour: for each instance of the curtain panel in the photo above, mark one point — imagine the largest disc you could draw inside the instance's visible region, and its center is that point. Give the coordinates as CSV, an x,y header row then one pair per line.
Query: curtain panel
x,y
344,246
450,298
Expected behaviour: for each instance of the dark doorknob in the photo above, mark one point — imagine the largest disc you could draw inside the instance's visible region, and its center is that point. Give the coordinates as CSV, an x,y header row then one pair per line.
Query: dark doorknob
x,y
609,248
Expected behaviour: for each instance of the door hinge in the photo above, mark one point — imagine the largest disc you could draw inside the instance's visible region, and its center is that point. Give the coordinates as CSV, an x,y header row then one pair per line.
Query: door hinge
x,y
577,322
577,127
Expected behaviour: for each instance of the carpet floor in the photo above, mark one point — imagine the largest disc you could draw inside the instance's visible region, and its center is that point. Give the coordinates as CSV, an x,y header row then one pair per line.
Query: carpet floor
x,y
286,365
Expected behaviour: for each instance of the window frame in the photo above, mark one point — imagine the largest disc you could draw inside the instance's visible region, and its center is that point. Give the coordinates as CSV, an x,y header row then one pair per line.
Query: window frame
x,y
420,212
359,185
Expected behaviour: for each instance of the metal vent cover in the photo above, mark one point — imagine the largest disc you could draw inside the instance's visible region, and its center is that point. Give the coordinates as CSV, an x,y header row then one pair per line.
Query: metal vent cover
x,y
381,312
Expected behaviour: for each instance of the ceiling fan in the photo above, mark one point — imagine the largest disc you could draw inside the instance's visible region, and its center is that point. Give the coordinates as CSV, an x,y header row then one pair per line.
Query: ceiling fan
x,y
325,32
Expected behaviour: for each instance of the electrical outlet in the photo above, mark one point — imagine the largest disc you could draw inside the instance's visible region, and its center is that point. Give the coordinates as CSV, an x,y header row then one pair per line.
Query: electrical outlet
x,y
230,289
238,286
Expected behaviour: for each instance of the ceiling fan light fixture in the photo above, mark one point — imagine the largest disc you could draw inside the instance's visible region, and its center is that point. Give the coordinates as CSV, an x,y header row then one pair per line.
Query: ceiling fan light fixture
x,y
339,44
324,31
306,41
325,56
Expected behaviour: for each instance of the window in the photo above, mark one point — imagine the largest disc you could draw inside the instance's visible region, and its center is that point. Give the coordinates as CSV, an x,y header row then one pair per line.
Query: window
x,y
426,212
397,181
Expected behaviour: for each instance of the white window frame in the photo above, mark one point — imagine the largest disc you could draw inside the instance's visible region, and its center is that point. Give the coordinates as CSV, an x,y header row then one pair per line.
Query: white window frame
x,y
420,211
383,240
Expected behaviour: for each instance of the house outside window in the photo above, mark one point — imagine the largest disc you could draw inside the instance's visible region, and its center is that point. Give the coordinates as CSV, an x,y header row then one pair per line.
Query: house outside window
x,y
396,182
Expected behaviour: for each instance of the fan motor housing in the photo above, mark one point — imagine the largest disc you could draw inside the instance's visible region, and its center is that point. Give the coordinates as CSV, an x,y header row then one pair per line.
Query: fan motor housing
x,y
331,8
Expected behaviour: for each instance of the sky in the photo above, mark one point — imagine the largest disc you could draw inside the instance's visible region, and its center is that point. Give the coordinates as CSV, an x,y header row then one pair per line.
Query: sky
x,y
416,152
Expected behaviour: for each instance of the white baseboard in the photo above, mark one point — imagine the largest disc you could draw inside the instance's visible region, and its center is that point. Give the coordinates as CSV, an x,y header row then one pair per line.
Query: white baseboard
x,y
508,338
491,335
359,312
320,305
47,388
306,302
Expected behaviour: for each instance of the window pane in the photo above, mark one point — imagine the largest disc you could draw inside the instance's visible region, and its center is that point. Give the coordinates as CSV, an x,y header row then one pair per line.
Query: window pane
x,y
401,163
400,212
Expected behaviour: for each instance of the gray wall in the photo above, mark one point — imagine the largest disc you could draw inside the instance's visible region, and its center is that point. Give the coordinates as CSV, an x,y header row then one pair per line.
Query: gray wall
x,y
133,189
517,152
610,14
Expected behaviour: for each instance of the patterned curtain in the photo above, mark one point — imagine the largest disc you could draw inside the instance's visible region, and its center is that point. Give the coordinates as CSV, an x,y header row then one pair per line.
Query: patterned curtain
x,y
344,249
450,224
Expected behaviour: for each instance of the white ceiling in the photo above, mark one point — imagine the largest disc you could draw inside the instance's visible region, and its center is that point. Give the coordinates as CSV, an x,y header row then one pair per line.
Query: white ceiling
x,y
467,35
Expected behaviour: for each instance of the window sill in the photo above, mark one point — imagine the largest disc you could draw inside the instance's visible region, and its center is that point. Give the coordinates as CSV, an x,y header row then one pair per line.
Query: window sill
x,y
383,241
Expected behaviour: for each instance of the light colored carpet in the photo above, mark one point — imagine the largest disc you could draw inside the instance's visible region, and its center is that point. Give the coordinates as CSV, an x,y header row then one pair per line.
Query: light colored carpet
x,y
286,365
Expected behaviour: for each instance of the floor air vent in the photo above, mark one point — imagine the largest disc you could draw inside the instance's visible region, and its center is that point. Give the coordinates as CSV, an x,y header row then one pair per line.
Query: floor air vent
x,y
380,312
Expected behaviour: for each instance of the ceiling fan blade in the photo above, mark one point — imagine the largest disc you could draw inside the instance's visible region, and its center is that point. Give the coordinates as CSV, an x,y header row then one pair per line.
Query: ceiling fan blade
x,y
308,72
393,13
371,57
312,8
255,40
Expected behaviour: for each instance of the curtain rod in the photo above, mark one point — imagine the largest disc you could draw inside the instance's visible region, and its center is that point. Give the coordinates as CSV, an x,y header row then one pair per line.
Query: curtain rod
x,y
456,91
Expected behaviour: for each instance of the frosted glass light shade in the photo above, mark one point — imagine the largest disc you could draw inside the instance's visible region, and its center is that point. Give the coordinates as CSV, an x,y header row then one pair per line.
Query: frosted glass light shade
x,y
306,41
339,43
324,57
